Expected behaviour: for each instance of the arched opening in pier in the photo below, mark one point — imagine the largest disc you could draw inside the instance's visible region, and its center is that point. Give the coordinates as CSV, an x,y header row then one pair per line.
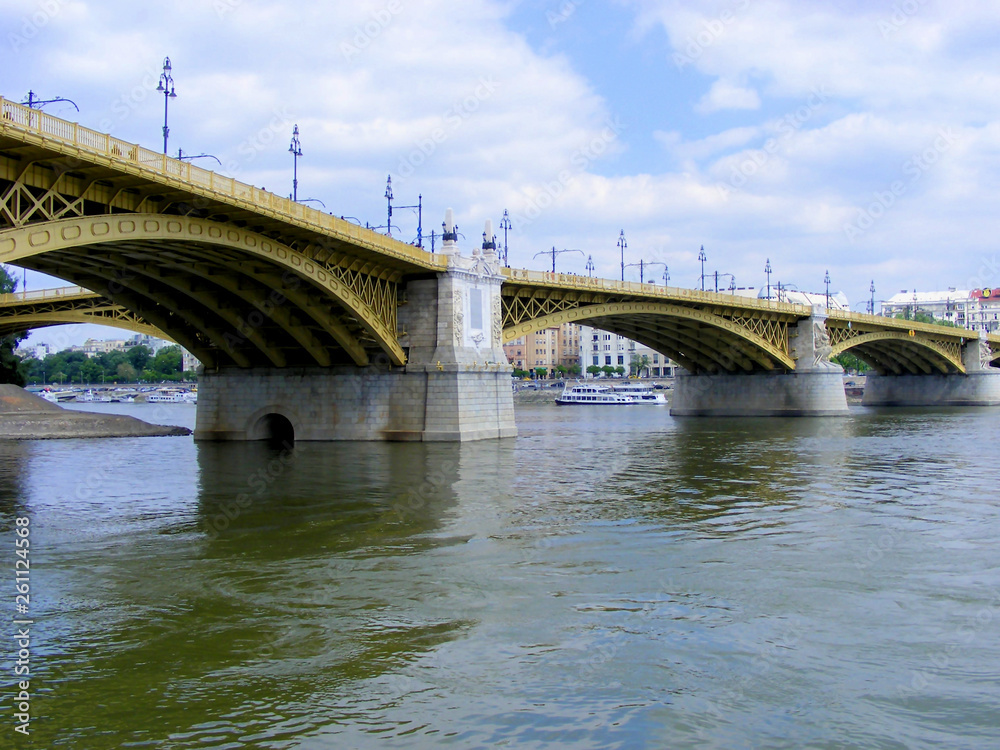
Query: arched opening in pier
x,y
276,429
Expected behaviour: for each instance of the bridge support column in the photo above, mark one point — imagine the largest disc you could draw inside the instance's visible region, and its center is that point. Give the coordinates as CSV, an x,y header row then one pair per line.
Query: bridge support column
x,y
455,386
978,386
815,389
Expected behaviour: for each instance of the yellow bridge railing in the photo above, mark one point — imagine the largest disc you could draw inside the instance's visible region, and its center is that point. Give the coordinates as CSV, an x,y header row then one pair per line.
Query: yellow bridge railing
x,y
78,137
42,295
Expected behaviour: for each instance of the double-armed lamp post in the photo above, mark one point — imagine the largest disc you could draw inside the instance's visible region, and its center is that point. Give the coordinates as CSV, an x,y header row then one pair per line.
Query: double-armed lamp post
x,y
166,86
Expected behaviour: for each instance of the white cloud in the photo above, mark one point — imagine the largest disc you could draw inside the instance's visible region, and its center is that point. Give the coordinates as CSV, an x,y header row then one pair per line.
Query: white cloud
x,y
725,95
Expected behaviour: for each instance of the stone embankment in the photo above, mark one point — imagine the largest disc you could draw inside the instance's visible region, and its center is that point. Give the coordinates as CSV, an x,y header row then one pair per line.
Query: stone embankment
x,y
25,416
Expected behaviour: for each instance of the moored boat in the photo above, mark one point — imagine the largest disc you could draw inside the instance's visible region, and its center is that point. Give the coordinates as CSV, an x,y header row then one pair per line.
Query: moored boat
x,y
642,393
592,394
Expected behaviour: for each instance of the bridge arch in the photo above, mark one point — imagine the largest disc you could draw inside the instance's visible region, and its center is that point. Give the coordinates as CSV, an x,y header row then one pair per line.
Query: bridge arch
x,y
699,340
226,293
898,353
31,321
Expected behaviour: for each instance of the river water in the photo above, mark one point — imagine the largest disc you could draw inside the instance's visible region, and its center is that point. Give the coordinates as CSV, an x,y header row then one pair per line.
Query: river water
x,y
609,579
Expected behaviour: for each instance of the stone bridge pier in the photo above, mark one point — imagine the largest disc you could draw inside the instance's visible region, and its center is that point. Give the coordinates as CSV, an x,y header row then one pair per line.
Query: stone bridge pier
x,y
455,385
814,389
979,385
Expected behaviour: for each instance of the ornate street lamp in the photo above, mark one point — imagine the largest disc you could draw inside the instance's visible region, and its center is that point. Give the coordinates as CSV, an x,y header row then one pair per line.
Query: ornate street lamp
x,y
505,225
622,244
167,87
295,149
702,257
767,270
826,280
590,265
871,307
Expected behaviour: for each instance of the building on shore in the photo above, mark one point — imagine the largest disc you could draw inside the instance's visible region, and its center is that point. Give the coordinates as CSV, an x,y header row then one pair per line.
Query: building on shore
x,y
546,349
976,309
602,349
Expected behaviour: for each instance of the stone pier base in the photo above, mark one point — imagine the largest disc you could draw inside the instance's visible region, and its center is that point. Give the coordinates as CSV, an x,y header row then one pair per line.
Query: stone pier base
x,y
807,394
974,389
456,403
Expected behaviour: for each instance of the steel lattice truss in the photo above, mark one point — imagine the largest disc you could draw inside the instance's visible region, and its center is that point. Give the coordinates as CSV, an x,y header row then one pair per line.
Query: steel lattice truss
x,y
702,331
19,314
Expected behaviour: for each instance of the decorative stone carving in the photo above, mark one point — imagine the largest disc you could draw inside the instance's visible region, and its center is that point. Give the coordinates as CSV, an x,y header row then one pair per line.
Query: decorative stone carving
x,y
985,353
821,347
459,317
497,322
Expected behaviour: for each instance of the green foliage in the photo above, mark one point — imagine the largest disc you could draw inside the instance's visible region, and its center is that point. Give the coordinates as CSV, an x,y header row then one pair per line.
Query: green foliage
x,y
519,373
108,368
573,369
850,363
608,370
11,365
620,370
922,317
541,372
593,369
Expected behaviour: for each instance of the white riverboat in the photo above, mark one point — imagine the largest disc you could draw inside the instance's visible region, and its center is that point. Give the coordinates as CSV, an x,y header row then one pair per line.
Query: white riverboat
x,y
642,393
592,394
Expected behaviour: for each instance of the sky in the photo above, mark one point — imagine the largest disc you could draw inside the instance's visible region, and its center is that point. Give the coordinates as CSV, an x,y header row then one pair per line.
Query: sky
x,y
855,138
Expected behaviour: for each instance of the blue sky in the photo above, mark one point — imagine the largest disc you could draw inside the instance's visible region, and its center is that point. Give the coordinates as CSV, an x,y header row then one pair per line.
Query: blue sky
x,y
859,138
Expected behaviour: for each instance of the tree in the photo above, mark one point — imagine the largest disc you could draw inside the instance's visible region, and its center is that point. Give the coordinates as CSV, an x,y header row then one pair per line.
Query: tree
x,y
574,369
540,372
593,370
126,372
561,369
851,363
620,370
139,356
608,370
11,370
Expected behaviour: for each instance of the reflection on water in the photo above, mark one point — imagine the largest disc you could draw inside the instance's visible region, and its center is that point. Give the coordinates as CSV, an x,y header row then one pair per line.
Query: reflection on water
x,y
605,580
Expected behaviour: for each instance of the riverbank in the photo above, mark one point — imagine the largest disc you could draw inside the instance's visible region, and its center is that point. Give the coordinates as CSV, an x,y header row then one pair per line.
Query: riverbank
x,y
24,416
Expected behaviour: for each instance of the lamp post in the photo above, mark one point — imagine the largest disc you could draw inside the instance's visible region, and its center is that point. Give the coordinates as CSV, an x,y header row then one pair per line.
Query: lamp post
x,y
622,244
32,101
420,213
767,270
590,264
826,280
666,275
702,257
553,252
295,149
181,156
166,85
871,307
505,225
642,267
